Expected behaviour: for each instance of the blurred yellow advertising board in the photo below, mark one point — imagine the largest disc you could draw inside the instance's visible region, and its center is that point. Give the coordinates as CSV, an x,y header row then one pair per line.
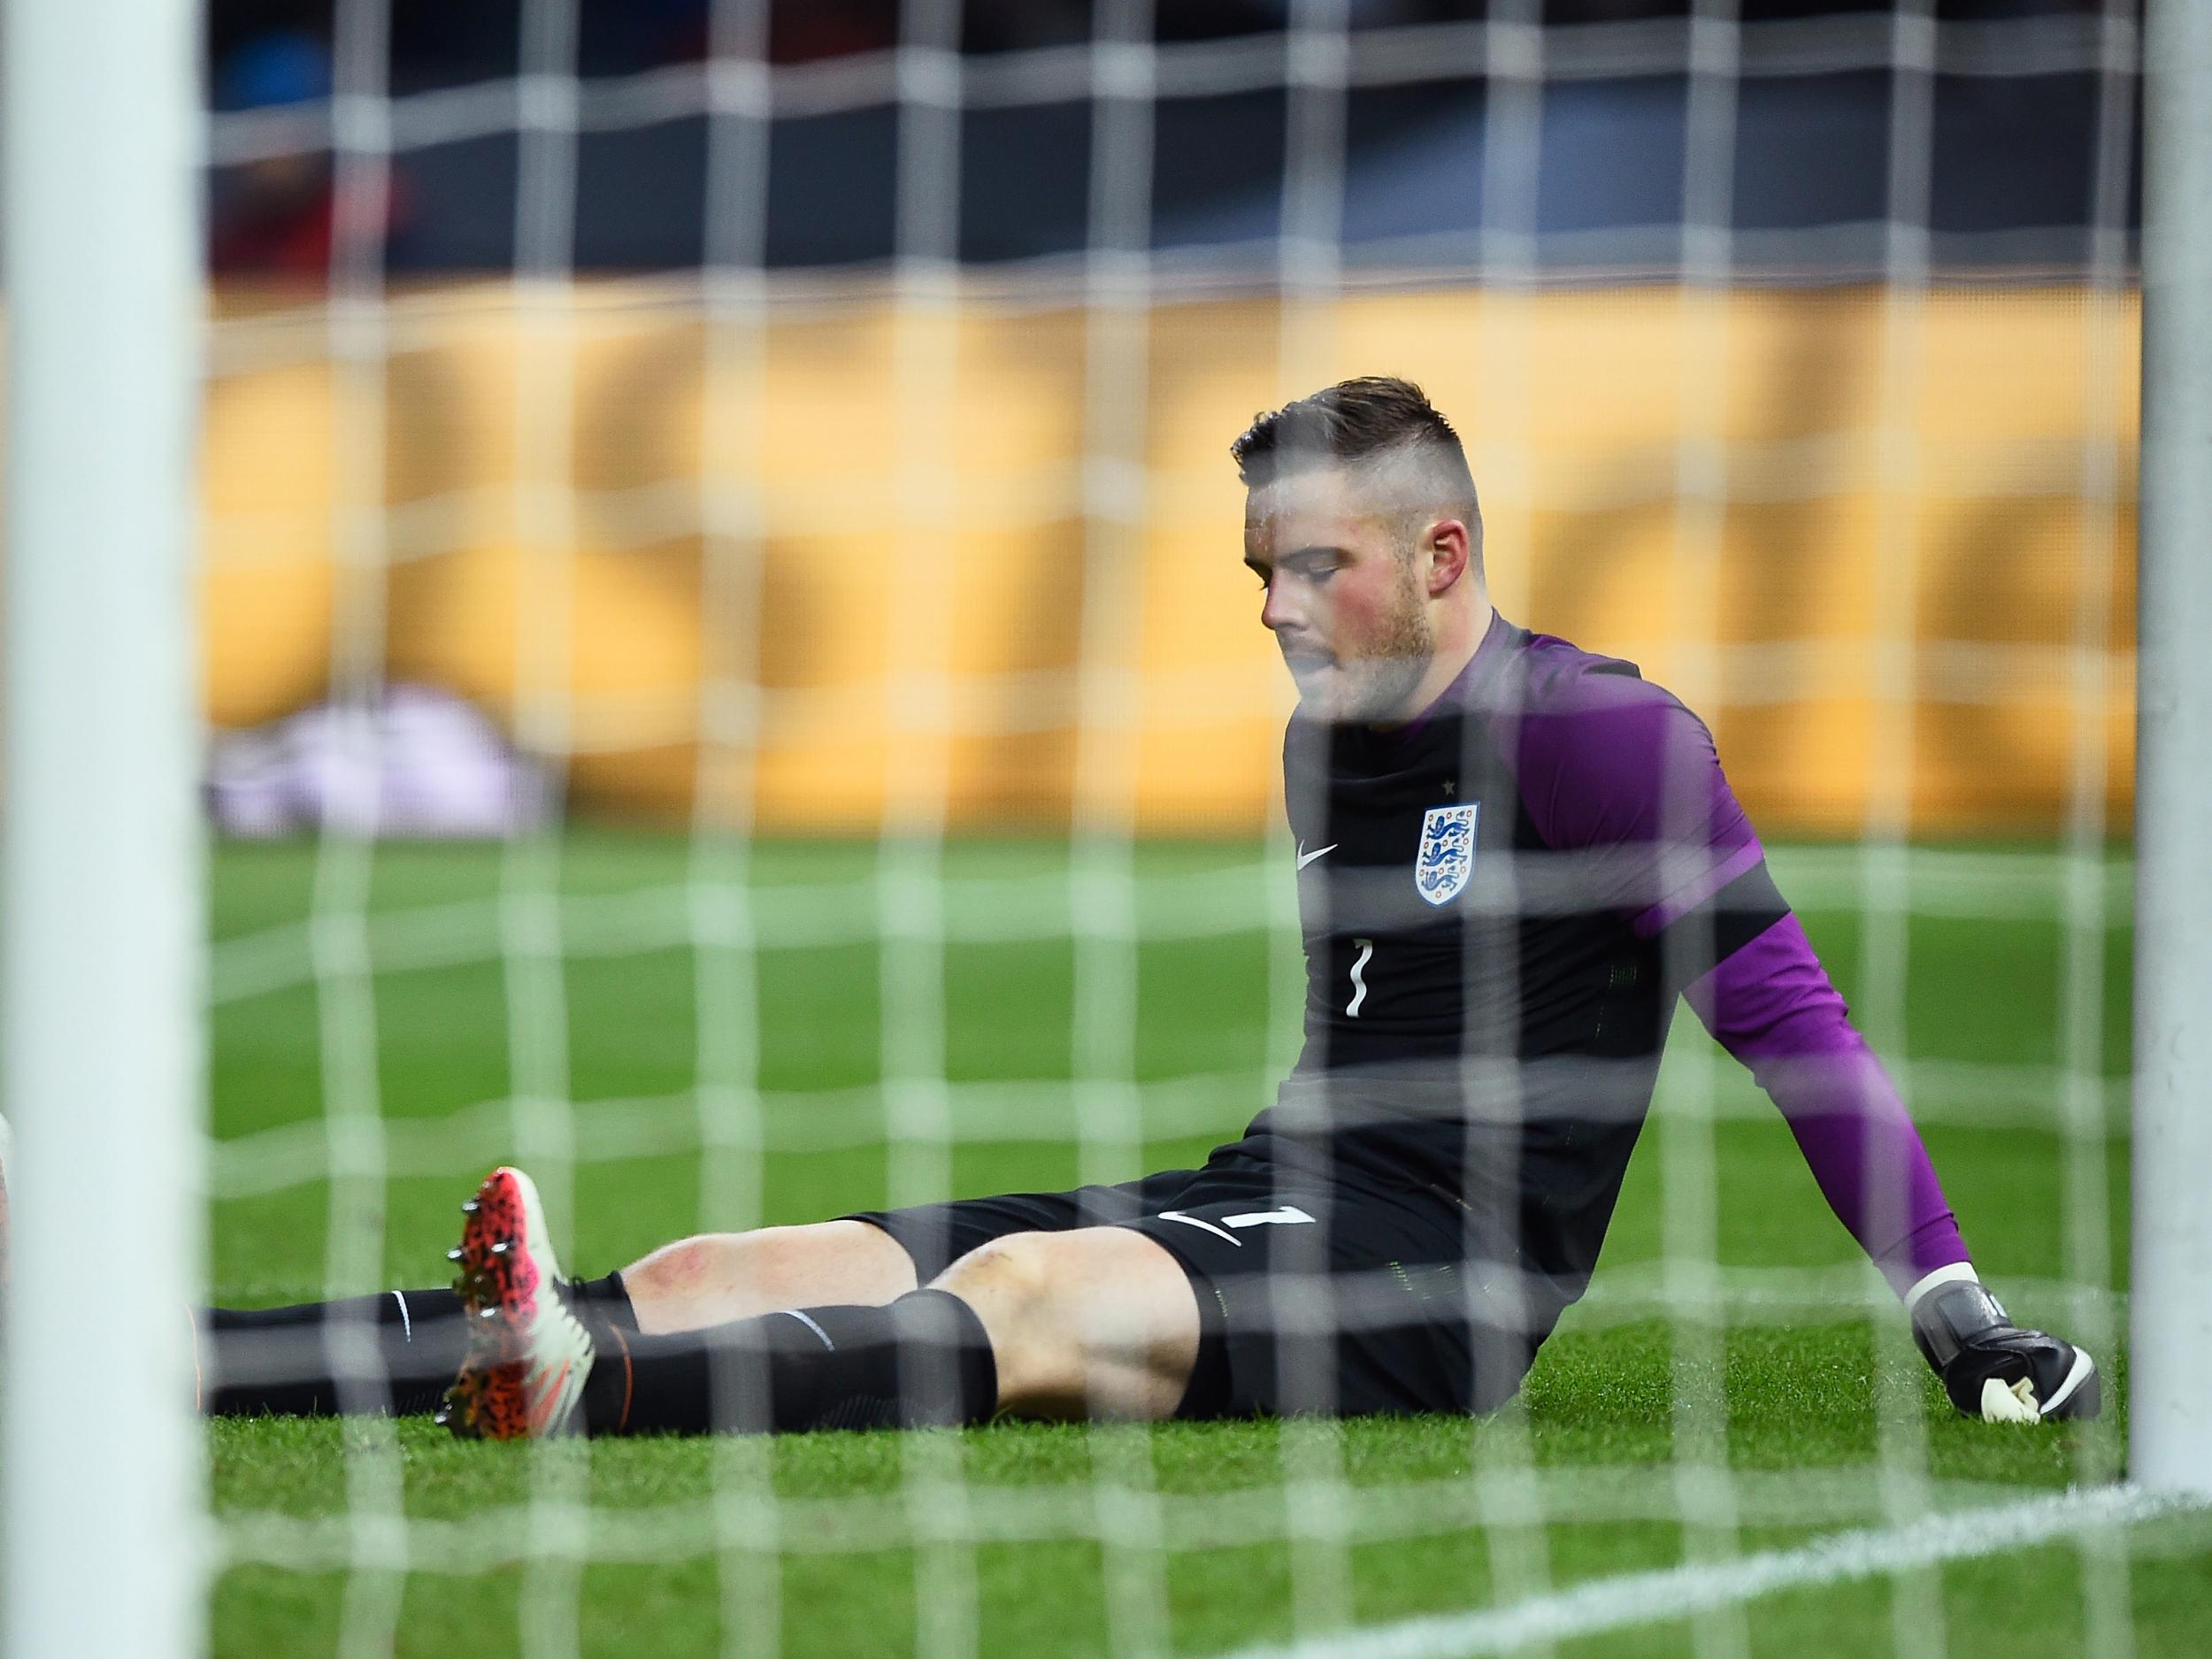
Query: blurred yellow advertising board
x,y
842,560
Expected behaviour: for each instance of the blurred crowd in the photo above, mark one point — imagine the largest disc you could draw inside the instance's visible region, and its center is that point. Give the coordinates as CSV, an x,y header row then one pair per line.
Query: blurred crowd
x,y
275,215
435,42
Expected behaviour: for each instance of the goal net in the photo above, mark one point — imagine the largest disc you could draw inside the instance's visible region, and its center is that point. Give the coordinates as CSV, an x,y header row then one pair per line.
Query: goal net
x,y
733,690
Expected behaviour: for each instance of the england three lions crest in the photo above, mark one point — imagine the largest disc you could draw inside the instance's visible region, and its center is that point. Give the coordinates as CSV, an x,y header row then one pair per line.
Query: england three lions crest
x,y
1446,857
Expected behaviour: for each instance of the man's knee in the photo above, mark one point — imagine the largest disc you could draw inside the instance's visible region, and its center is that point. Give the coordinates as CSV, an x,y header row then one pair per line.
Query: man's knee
x,y
1096,1321
1016,1277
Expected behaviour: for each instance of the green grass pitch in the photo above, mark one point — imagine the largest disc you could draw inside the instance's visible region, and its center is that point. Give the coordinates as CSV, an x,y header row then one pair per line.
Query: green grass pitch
x,y
1047,1541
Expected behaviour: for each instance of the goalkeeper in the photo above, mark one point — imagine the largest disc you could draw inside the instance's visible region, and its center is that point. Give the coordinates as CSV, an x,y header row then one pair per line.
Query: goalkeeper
x,y
1513,857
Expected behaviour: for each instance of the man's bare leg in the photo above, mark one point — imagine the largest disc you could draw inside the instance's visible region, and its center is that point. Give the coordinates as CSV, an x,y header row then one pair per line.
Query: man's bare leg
x,y
1094,1323
718,1277
1101,1322
1097,1322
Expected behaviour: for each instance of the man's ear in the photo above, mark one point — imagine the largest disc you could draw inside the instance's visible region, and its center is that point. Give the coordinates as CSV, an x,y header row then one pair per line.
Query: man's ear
x,y
1445,541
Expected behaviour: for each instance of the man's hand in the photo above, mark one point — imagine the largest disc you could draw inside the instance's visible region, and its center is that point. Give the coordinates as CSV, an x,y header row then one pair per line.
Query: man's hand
x,y
1991,1368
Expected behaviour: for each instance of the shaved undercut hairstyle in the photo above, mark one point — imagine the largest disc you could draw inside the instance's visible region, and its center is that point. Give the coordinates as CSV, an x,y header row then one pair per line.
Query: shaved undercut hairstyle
x,y
1375,419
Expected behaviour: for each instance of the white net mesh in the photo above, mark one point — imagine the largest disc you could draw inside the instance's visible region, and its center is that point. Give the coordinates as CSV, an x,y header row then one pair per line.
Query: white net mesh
x,y
861,590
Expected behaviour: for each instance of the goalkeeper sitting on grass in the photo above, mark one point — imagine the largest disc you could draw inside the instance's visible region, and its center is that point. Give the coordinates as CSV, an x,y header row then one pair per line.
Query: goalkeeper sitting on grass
x,y
1513,857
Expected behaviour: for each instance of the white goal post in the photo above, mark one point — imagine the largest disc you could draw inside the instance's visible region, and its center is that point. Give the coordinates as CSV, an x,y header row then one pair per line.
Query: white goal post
x,y
2171,1406
100,1017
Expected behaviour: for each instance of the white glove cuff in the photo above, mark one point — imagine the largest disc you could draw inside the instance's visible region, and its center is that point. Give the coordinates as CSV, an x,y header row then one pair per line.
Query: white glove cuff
x,y
1958,1272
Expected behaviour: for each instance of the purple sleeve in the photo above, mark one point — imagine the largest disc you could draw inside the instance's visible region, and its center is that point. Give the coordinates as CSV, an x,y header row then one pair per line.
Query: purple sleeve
x,y
1625,782
1769,1004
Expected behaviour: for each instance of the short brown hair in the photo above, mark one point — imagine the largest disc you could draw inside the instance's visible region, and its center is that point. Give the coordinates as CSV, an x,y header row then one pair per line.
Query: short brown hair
x,y
1354,420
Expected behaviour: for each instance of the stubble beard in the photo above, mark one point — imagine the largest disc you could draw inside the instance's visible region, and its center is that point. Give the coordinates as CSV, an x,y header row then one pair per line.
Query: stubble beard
x,y
1377,683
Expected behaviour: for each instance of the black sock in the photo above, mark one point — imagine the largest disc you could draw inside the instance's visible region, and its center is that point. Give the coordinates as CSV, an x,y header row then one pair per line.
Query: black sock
x,y
923,1361
281,1360
605,1298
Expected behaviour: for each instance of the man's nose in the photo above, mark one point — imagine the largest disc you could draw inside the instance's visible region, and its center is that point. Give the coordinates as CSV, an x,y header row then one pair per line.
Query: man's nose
x,y
1280,610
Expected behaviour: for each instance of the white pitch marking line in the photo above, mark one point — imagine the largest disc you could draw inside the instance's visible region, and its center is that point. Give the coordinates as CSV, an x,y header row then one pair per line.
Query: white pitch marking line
x,y
1648,1598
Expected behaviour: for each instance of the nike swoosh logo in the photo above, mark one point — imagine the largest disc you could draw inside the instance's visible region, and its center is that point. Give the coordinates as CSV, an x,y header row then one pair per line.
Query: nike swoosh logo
x,y
1305,857
1199,1222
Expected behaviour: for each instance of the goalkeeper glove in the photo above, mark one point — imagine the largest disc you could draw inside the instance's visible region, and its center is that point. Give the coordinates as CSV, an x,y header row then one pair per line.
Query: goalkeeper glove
x,y
1991,1368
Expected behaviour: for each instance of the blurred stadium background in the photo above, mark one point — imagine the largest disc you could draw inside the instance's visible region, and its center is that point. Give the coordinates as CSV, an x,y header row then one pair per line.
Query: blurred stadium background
x,y
1892,348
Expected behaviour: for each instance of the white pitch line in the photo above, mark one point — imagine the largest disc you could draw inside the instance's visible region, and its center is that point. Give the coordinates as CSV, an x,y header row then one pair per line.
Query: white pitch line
x,y
1648,1598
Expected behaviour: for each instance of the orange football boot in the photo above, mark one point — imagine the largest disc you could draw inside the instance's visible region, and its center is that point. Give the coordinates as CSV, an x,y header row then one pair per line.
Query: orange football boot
x,y
528,1352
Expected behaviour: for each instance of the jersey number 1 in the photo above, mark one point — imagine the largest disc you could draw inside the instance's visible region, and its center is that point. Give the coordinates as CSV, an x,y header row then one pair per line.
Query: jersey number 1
x,y
1359,979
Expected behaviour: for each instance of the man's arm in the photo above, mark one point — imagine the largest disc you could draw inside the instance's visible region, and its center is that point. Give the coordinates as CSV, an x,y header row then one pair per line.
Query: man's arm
x,y
1625,780
1770,1004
